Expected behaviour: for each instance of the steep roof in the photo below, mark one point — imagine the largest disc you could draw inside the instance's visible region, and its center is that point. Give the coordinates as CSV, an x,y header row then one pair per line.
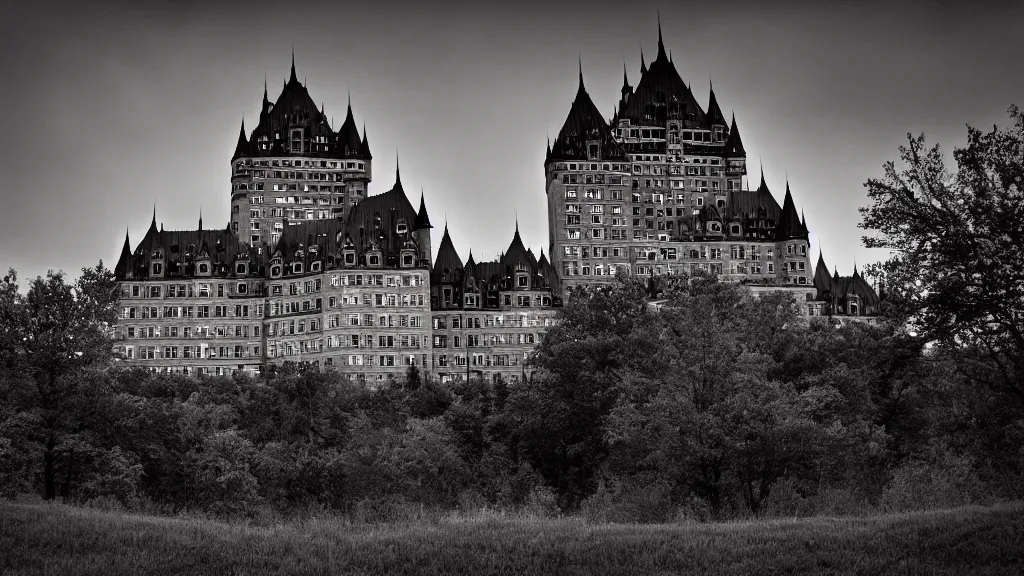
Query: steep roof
x,y
422,219
294,108
349,143
373,223
714,116
734,144
584,124
660,92
124,262
789,221
447,262
822,281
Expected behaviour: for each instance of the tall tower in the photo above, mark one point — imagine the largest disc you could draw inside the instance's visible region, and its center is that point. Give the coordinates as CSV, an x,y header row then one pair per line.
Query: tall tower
x,y
293,167
659,191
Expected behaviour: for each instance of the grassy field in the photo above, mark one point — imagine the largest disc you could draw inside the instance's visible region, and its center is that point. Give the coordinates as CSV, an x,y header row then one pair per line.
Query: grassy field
x,y
57,539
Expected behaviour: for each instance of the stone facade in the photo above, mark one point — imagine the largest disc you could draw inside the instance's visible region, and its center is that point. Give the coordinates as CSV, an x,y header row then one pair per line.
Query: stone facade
x,y
489,316
313,269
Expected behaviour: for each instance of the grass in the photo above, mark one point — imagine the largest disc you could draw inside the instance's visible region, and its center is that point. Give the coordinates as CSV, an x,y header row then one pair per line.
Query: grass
x,y
57,539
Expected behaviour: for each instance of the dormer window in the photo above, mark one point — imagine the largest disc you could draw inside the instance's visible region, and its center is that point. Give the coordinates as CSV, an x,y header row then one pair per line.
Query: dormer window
x,y
401,228
408,260
204,268
315,266
297,268
296,140
373,260
714,227
158,268
240,268
734,229
522,281
275,271
350,258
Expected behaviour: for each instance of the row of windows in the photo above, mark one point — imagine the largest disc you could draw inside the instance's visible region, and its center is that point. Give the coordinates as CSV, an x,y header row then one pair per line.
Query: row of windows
x,y
189,352
499,320
201,311
478,340
216,331
299,163
480,360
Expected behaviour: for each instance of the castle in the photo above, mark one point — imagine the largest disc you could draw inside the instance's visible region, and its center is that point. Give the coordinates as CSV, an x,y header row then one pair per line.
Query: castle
x,y
312,268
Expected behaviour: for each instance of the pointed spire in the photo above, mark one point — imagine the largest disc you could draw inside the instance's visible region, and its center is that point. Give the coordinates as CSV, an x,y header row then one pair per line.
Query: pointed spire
x,y
243,143
293,77
581,89
661,43
789,223
398,172
625,76
364,146
643,65
822,281
266,101
123,262
763,185
714,115
734,144
200,219
422,219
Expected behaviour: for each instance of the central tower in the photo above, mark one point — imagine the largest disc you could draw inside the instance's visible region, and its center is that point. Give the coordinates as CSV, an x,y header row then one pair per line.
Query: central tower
x,y
294,167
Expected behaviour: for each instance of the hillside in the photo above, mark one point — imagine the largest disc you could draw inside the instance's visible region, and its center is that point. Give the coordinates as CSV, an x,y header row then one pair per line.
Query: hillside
x,y
57,539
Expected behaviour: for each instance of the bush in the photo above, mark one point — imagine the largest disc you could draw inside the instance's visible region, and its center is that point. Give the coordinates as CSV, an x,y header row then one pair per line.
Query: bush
x,y
944,480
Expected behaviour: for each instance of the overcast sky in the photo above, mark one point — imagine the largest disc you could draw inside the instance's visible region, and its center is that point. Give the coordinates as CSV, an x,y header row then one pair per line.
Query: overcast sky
x,y
113,107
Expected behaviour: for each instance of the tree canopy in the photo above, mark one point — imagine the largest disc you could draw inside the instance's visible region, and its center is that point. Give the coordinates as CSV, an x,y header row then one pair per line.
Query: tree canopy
x,y
956,236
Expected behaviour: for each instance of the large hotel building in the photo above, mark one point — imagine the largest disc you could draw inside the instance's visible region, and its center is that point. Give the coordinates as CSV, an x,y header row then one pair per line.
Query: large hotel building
x,y
314,269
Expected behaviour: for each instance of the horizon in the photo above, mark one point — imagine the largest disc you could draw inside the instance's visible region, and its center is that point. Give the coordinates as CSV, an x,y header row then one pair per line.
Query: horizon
x,y
823,96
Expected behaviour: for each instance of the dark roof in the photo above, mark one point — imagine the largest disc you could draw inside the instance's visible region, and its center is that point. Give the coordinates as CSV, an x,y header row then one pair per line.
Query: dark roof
x,y
295,108
789,226
349,143
242,148
734,144
422,219
714,115
372,223
364,147
584,124
661,92
124,261
447,264
181,249
822,281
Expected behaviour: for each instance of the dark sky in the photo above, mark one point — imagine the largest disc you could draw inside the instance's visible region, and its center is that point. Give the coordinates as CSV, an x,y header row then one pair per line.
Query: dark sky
x,y
113,107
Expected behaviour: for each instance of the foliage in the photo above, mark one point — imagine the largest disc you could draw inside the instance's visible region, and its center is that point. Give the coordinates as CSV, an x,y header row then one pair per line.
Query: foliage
x,y
956,271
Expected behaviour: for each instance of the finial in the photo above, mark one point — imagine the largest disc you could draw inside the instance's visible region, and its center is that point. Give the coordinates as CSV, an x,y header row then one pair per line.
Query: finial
x,y
581,89
643,65
398,172
200,218
661,43
293,77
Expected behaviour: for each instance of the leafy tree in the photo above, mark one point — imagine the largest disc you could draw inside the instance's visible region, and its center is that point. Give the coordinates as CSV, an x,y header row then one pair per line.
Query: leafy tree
x,y
956,236
56,339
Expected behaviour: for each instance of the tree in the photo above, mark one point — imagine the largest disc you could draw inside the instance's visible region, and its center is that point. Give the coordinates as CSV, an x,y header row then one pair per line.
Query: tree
x,y
956,270
56,339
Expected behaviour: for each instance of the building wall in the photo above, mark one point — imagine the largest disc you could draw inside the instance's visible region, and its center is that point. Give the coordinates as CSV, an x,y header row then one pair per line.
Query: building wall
x,y
207,326
603,225
490,344
197,326
269,193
